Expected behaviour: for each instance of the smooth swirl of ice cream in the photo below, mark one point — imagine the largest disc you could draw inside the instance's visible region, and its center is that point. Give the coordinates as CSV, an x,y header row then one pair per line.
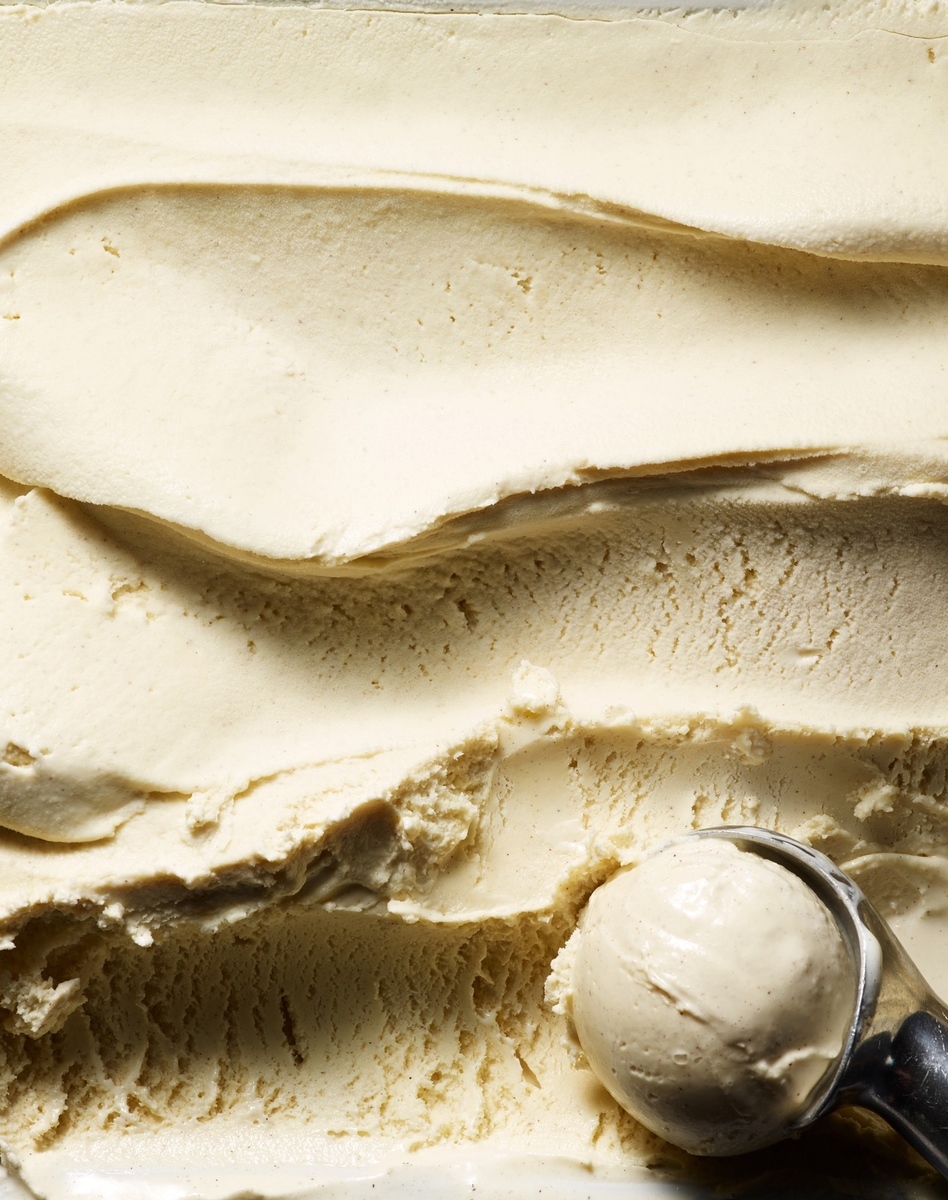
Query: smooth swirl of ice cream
x,y
711,992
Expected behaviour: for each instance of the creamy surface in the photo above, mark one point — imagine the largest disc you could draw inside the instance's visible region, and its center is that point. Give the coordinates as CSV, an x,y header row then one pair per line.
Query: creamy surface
x,y
710,991
444,456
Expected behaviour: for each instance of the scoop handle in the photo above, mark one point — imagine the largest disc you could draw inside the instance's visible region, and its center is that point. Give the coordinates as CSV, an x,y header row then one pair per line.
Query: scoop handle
x,y
904,1078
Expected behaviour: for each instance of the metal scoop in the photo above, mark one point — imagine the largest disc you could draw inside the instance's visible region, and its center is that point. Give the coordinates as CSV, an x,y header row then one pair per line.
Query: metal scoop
x,y
895,1058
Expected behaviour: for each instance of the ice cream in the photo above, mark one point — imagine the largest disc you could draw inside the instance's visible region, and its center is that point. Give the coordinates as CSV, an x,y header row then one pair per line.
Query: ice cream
x,y
711,992
447,455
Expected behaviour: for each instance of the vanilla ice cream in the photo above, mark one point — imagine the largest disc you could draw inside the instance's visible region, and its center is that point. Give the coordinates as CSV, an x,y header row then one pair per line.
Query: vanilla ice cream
x,y
445,455
711,992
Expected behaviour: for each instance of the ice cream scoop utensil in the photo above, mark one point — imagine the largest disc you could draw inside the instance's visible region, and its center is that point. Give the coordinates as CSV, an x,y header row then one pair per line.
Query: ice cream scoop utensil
x,y
895,1057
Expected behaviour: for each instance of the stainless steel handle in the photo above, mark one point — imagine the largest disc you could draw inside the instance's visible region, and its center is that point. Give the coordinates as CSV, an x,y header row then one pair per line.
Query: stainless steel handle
x,y
903,1076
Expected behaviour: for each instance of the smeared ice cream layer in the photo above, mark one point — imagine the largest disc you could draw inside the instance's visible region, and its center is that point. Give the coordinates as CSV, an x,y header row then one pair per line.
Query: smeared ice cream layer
x,y
316,374
434,480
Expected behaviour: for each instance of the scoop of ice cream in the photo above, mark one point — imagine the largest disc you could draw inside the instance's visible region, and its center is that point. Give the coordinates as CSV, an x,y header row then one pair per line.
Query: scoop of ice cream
x,y
711,992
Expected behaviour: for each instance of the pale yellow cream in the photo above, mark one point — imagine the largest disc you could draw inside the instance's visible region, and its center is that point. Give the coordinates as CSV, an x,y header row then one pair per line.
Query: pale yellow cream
x,y
445,455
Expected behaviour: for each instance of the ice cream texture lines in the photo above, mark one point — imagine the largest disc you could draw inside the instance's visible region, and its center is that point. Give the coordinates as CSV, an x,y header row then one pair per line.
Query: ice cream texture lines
x,y
432,481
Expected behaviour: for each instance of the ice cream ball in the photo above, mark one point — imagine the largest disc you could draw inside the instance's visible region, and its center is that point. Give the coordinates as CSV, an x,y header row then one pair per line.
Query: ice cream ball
x,y
711,992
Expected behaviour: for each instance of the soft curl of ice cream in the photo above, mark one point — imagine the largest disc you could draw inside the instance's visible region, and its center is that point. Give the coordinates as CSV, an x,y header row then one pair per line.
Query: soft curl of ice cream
x,y
711,992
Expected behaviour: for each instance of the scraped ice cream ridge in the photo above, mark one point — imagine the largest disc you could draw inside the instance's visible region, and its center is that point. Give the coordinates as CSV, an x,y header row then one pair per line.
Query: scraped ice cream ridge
x,y
447,456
